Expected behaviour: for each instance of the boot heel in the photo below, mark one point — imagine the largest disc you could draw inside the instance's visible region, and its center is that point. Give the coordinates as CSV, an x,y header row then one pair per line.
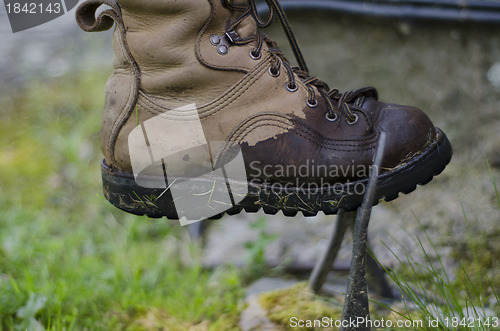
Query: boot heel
x,y
123,192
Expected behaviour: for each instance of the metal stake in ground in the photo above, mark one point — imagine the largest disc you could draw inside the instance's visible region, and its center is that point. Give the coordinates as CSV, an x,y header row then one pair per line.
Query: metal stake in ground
x,y
323,267
356,298
375,273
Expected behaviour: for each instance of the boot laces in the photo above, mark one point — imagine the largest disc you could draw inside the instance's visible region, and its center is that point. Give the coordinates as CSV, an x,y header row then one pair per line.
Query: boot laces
x,y
335,100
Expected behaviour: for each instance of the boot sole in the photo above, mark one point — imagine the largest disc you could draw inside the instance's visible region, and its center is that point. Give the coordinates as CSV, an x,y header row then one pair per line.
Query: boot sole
x,y
122,191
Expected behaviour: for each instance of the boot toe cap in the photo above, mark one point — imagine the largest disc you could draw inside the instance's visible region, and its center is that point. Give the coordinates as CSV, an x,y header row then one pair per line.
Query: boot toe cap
x,y
409,132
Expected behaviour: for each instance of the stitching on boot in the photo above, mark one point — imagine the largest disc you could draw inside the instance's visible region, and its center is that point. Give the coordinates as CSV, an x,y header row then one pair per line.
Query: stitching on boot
x,y
215,106
371,139
307,130
125,114
264,119
301,134
85,16
133,96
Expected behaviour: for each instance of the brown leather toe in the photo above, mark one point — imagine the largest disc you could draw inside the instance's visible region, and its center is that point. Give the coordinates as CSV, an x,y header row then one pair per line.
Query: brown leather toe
x,y
409,132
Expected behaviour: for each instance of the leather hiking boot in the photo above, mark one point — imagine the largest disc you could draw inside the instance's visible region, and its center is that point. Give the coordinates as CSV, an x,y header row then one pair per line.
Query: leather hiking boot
x,y
205,115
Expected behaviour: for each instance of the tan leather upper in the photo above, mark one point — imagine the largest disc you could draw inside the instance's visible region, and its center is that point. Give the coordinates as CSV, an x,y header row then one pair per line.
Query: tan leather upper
x,y
170,42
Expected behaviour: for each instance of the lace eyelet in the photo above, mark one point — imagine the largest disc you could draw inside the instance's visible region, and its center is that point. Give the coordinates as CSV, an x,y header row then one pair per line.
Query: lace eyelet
x,y
255,57
332,119
312,105
292,88
354,121
274,74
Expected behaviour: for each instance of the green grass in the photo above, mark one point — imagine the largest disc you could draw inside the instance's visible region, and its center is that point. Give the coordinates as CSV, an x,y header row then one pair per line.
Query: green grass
x,y
69,260
467,299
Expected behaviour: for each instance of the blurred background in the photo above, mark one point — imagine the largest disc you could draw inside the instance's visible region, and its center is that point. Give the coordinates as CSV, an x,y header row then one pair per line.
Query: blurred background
x,y
69,260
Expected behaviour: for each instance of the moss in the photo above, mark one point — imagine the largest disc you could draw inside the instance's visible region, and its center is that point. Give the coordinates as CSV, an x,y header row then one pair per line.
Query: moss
x,y
156,319
300,302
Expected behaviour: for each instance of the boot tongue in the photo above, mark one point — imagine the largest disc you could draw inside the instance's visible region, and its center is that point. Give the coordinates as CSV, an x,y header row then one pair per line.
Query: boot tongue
x,y
248,27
